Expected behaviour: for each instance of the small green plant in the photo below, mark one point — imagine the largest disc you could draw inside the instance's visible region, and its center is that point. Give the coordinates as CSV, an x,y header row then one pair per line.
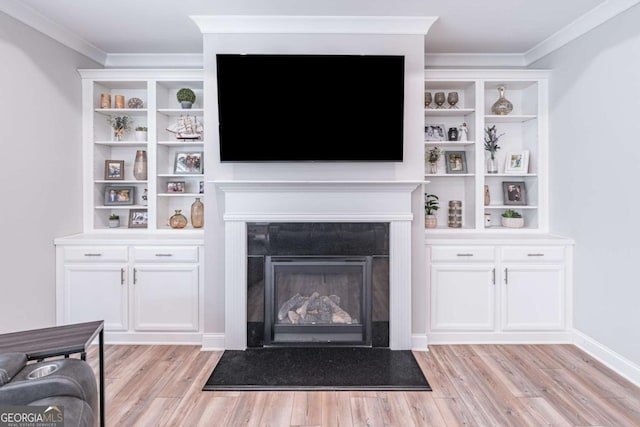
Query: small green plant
x,y
431,203
433,155
186,95
141,129
113,217
510,213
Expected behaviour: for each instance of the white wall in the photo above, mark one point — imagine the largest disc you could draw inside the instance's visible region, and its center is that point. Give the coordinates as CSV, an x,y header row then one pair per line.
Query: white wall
x,y
412,168
41,173
595,171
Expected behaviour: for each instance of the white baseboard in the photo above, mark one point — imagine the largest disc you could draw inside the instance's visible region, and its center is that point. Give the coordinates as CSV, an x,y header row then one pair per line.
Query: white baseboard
x,y
608,357
153,338
419,342
213,342
499,338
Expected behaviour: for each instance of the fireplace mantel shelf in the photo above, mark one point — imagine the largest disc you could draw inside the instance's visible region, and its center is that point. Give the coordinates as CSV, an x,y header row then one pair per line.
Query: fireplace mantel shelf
x,y
333,185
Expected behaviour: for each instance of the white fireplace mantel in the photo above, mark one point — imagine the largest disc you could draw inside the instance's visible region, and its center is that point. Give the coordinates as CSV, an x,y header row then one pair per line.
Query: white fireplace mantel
x,y
317,201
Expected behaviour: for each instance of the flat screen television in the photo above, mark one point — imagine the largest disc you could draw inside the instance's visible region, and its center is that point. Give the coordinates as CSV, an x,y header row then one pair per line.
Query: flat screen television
x,y
322,108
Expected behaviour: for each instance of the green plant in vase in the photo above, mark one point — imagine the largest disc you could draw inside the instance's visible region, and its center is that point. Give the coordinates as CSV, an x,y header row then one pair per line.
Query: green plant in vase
x,y
512,219
433,155
114,221
431,205
491,138
120,125
186,97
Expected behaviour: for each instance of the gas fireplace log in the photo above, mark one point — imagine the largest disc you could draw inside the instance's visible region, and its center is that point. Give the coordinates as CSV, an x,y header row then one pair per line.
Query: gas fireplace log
x,y
293,317
302,311
338,315
291,304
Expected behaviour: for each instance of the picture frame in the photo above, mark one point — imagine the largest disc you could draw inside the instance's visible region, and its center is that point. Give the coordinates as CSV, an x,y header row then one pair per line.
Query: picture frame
x,y
456,162
114,170
435,132
201,187
517,162
515,193
188,162
175,186
138,218
115,195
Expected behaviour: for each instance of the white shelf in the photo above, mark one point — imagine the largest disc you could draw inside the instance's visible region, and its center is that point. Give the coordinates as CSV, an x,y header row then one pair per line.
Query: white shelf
x,y
448,175
114,207
120,181
512,175
115,111
181,111
180,194
180,143
186,175
511,118
450,143
448,112
513,207
122,143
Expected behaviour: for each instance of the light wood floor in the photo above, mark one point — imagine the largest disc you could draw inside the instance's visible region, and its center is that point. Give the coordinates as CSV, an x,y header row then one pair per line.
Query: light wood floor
x,y
477,385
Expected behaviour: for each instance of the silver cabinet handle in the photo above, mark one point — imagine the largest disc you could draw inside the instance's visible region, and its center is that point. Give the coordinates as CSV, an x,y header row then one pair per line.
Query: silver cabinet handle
x,y
506,276
464,254
164,254
92,254
135,276
122,276
535,254
494,275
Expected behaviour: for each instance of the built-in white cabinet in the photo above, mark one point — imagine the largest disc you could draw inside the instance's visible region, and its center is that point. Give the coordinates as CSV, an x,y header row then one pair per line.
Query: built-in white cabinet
x,y
499,290
145,290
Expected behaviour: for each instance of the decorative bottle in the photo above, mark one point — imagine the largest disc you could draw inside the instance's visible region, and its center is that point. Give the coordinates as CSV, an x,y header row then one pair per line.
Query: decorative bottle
x,y
502,106
197,214
140,165
487,196
178,220
453,134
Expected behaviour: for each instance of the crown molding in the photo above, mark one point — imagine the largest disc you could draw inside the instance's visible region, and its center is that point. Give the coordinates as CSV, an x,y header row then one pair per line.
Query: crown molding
x,y
156,60
46,26
474,60
265,24
587,22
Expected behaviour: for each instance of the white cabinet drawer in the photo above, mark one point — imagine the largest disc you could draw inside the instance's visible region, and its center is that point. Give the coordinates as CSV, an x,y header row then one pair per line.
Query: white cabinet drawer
x,y
165,254
533,253
462,253
95,253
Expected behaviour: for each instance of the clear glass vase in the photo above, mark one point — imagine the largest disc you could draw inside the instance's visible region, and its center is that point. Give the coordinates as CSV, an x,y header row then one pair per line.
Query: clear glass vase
x,y
140,166
197,213
433,168
492,165
502,106
178,220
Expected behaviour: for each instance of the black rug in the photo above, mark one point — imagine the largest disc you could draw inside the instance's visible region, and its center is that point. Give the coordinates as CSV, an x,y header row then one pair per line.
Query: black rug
x,y
327,368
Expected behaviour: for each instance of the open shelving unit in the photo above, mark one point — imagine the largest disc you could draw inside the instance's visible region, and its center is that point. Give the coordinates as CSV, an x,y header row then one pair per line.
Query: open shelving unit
x,y
525,128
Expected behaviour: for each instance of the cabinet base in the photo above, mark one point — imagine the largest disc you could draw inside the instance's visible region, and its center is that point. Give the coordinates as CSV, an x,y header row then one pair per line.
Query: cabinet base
x,y
561,337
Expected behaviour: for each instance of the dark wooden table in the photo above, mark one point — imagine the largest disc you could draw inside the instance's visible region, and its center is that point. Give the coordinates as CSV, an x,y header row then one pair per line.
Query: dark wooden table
x,y
40,344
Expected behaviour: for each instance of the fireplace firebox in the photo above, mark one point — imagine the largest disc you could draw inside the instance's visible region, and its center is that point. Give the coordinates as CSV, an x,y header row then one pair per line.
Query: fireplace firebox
x,y
318,284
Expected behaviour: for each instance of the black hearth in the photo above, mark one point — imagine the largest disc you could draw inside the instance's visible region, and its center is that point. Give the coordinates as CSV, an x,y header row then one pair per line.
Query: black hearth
x,y
318,284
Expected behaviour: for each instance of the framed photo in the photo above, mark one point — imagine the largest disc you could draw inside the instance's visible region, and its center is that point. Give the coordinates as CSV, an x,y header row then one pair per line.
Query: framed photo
x,y
456,161
517,162
138,218
515,193
114,170
201,187
188,163
175,187
119,195
434,133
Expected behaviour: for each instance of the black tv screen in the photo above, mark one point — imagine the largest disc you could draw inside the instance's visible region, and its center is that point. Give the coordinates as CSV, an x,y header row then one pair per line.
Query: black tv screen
x,y
310,107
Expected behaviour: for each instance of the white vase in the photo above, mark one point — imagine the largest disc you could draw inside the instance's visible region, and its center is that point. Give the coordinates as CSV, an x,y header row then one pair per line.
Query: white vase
x,y
141,135
114,223
512,222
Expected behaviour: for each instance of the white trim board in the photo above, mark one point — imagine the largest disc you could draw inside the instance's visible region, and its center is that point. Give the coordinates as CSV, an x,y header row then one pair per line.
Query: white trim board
x,y
608,357
213,342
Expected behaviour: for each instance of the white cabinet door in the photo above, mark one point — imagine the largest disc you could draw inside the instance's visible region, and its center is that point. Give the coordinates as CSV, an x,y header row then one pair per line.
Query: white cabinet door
x,y
462,297
96,292
533,297
165,297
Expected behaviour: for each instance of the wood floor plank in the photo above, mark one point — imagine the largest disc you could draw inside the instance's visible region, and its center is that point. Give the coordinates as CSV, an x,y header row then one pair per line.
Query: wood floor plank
x,y
277,409
156,410
217,411
544,413
336,409
423,409
394,409
248,409
307,409
455,412
517,384
366,412
435,374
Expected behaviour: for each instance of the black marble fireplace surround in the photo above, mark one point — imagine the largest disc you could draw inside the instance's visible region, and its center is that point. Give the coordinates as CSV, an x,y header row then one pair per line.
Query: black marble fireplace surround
x,y
318,284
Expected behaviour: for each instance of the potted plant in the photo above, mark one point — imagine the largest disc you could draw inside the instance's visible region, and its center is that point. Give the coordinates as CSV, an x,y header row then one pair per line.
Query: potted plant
x,y
491,145
141,133
186,97
433,155
114,221
120,125
431,205
512,219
